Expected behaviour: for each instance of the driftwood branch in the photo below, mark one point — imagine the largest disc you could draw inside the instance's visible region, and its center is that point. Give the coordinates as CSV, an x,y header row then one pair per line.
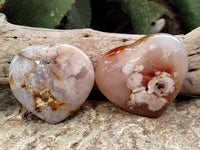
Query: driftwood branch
x,y
14,38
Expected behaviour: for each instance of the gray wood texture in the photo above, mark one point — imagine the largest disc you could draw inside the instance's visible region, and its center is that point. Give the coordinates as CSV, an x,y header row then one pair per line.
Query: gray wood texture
x,y
14,38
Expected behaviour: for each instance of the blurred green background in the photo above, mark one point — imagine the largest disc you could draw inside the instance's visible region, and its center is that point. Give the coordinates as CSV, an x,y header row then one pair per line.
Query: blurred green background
x,y
122,16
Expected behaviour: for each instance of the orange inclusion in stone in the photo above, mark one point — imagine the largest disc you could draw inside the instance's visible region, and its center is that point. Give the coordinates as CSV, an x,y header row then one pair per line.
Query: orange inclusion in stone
x,y
157,65
116,51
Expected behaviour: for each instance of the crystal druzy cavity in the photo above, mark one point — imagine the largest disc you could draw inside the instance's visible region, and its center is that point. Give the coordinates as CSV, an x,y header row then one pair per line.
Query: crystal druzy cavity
x,y
145,77
51,81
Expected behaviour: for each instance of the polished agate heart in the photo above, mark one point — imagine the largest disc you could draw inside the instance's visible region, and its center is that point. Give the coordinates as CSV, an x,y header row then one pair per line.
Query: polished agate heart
x,y
145,77
51,81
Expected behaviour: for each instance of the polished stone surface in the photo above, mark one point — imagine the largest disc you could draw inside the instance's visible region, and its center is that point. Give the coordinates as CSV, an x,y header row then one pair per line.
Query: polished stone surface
x,y
99,125
144,77
51,81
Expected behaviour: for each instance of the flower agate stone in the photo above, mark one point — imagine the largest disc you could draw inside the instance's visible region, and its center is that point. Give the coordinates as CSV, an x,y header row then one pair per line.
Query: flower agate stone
x,y
145,77
51,81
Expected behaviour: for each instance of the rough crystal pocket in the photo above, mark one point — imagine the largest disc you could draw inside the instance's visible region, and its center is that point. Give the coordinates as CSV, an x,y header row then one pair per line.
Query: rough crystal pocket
x,y
145,77
51,81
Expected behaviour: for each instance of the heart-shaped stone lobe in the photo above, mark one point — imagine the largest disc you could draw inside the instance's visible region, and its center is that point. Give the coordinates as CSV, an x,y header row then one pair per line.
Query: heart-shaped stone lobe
x,y
145,77
52,82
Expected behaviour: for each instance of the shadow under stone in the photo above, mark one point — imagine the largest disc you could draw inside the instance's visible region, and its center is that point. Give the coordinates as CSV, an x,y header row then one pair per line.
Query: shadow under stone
x,y
8,102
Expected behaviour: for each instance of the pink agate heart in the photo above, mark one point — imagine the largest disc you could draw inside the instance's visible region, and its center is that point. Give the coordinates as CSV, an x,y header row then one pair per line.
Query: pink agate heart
x,y
52,82
145,77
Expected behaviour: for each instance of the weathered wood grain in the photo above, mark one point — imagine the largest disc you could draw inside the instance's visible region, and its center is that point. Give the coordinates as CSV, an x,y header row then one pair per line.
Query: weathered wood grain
x,y
14,38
